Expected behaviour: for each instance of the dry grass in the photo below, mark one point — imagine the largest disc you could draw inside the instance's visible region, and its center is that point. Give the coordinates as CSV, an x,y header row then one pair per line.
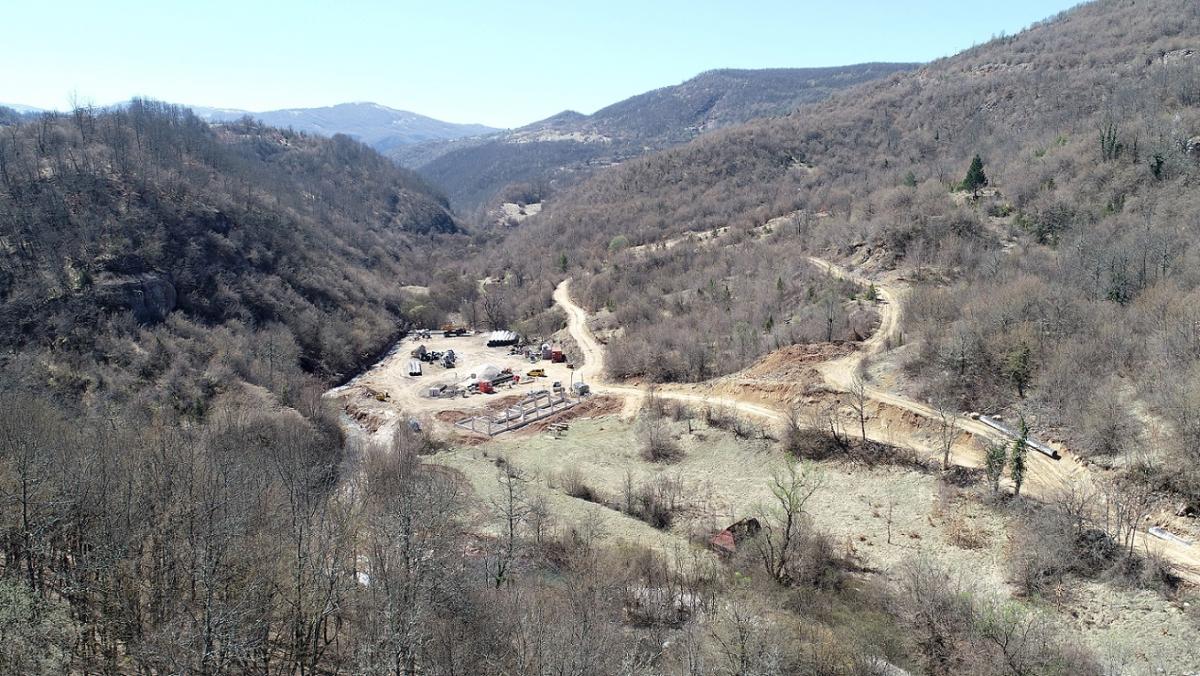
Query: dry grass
x,y
584,477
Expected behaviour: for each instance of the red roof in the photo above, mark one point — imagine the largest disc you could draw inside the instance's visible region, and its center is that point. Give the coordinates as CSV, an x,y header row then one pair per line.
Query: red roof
x,y
724,541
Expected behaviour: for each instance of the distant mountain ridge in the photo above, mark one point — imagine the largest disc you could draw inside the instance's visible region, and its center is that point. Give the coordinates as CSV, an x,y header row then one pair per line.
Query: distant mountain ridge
x,y
561,149
23,109
376,125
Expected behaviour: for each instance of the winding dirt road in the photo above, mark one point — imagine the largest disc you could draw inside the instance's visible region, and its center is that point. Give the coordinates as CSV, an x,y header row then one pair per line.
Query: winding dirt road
x,y
592,371
1046,478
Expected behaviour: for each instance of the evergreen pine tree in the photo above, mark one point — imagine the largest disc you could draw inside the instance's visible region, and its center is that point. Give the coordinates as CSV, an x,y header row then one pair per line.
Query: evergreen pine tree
x,y
975,179
995,458
1019,366
1016,464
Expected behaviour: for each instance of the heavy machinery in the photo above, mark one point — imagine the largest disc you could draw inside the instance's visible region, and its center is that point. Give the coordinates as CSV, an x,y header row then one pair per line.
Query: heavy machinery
x,y
448,359
536,373
454,330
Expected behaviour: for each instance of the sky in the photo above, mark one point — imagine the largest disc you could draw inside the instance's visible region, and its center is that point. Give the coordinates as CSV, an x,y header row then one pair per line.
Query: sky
x,y
504,64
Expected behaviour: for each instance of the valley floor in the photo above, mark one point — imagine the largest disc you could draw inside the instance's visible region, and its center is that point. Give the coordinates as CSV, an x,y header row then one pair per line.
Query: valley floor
x,y
880,514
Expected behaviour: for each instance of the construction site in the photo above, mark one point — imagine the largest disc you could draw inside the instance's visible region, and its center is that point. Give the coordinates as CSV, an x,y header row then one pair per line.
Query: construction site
x,y
533,407
432,375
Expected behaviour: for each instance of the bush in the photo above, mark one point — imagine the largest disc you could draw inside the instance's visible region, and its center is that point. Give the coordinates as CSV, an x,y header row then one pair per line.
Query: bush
x,y
571,482
1050,546
655,501
810,444
658,443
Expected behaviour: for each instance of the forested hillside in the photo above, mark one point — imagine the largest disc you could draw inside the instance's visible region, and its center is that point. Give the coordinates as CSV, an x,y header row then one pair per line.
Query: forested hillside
x,y
115,223
554,153
174,300
1070,275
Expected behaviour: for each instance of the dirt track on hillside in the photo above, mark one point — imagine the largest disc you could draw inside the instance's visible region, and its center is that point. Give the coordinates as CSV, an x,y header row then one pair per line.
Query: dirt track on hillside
x,y
1046,477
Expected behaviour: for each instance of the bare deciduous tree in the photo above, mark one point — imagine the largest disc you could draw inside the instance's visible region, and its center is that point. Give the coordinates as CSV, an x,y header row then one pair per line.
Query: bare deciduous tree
x,y
947,432
512,508
784,522
859,397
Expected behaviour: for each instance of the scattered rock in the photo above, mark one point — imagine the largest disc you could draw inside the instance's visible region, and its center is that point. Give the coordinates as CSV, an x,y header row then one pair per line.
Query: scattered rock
x,y
1193,148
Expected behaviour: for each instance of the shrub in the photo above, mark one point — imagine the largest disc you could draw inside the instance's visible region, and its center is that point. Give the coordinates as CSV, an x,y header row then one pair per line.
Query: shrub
x,y
655,501
658,442
571,482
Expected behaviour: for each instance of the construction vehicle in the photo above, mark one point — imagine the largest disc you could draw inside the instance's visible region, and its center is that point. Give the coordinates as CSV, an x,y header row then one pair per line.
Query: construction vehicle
x,y
557,356
536,373
485,387
454,330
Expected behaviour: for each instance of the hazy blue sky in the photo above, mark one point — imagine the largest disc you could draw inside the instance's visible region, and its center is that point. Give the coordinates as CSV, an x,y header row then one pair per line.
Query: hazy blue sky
x,y
499,63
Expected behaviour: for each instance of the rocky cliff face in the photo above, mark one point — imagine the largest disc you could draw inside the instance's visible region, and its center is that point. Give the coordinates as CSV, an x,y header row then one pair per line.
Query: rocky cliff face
x,y
150,296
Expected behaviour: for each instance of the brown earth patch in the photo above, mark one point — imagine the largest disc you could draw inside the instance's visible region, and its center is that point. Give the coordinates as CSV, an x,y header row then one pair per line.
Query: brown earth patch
x,y
795,362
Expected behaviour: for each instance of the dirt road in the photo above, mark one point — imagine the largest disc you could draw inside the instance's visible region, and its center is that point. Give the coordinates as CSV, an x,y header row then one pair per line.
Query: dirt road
x,y
1045,479
592,370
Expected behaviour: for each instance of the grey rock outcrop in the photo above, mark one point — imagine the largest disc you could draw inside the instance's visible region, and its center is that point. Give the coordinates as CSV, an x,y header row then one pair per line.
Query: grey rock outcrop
x,y
150,296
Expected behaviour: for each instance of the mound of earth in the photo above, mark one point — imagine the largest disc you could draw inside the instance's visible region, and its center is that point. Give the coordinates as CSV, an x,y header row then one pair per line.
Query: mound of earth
x,y
795,362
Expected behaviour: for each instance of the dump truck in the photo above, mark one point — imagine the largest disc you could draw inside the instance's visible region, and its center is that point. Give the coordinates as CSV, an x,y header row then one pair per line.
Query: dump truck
x,y
454,330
